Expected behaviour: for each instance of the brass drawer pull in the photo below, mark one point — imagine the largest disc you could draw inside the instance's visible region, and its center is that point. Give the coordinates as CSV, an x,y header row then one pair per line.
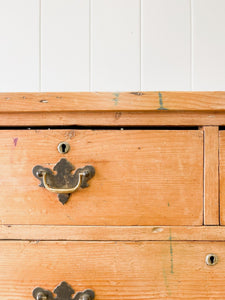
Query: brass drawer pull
x,y
64,292
63,183
63,191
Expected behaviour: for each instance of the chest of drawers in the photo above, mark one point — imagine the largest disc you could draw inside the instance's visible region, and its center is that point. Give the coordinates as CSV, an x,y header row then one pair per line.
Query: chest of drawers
x,y
112,196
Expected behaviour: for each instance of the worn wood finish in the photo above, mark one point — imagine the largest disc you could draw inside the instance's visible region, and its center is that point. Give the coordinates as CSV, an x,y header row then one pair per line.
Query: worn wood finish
x,y
222,175
211,180
127,101
142,177
111,233
114,270
158,118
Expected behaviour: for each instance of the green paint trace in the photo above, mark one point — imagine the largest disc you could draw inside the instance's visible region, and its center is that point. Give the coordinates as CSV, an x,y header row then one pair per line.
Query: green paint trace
x,y
116,98
166,282
171,253
161,103
168,204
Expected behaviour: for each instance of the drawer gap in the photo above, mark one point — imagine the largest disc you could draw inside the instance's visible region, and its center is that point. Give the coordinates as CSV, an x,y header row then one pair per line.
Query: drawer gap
x,y
100,127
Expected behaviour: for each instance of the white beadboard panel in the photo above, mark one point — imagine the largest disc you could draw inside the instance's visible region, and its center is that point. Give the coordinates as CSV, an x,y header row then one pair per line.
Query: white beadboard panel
x,y
65,45
115,47
208,44
166,45
19,45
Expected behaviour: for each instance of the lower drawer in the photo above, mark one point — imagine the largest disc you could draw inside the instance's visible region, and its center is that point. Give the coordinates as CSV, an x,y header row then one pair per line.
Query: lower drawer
x,y
114,270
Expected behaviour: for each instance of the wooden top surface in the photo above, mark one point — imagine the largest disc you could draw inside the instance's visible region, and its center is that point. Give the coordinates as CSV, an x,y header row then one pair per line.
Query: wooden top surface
x,y
112,101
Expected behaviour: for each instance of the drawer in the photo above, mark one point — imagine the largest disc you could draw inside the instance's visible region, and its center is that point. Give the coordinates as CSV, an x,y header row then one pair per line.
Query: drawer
x,y
142,177
113,270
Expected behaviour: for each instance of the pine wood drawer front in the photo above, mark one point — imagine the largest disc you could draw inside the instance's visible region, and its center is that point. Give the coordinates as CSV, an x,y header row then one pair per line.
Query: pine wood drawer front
x,y
143,177
114,270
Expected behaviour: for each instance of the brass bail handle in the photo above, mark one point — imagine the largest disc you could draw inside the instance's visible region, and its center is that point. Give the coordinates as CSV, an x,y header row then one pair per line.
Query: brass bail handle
x,y
63,191
62,181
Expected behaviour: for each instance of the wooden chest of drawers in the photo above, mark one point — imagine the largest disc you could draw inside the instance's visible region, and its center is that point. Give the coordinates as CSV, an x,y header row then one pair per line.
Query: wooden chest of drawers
x,y
149,223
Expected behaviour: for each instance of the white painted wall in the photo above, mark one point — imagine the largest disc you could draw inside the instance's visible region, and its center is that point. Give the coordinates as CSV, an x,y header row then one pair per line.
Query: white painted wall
x,y
112,45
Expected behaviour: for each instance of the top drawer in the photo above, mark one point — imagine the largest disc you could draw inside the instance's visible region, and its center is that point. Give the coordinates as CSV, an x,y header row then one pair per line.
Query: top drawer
x,y
143,177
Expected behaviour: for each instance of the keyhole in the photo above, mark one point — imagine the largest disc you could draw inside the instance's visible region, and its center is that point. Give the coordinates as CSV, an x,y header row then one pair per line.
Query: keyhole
x,y
211,259
63,147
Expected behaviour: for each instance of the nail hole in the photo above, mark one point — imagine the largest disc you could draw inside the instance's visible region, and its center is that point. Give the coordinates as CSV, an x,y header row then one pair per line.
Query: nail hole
x,y
211,259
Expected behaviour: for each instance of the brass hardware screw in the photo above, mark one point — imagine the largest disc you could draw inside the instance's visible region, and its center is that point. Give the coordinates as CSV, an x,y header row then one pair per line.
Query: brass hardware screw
x,y
42,296
85,297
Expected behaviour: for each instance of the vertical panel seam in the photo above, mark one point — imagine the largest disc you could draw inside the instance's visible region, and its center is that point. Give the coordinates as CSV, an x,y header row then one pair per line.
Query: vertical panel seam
x,y
40,46
191,45
141,5
90,47
204,136
219,206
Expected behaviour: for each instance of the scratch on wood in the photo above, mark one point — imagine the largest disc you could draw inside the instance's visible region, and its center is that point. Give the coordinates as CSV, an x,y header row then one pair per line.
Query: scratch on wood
x,y
137,93
116,98
70,134
171,253
118,115
44,101
161,103
15,140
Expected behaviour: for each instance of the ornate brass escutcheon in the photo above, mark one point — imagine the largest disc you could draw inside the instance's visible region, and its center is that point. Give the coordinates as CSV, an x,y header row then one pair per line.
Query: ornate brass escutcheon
x,y
63,182
64,292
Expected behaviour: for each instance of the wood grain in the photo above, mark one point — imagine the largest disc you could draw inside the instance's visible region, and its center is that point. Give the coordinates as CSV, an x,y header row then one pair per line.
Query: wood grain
x,y
211,176
111,233
127,101
222,175
157,118
114,270
143,177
